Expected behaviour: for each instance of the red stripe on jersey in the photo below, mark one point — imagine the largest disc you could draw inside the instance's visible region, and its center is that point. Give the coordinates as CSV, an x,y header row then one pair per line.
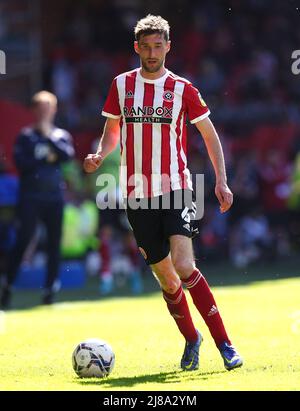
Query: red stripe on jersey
x,y
147,142
165,142
130,86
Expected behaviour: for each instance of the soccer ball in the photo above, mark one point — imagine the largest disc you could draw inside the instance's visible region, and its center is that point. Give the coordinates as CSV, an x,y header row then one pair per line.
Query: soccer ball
x,y
93,358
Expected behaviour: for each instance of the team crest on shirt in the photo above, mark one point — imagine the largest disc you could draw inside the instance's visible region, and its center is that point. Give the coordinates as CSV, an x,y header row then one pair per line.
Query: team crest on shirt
x,y
129,94
168,96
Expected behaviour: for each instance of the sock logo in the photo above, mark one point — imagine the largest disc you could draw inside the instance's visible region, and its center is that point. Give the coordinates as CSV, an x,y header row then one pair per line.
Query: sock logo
x,y
213,311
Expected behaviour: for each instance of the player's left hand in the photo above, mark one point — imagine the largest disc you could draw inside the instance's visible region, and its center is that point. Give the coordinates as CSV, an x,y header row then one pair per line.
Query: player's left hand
x,y
92,162
224,195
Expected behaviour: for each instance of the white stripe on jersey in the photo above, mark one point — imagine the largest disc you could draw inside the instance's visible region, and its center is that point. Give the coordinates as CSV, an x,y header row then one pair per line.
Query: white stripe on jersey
x,y
182,153
123,166
175,177
156,145
138,142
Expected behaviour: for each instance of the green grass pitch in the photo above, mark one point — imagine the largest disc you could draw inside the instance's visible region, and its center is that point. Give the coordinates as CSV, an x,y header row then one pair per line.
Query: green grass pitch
x,y
263,320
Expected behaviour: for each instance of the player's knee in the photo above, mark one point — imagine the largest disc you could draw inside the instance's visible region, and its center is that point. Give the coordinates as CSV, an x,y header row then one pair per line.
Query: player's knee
x,y
169,284
171,287
184,268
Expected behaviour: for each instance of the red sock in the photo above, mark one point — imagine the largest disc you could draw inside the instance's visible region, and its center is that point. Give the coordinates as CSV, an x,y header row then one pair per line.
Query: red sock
x,y
179,309
207,307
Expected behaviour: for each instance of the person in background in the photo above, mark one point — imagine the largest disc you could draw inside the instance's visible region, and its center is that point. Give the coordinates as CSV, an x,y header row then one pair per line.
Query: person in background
x,y
120,259
38,153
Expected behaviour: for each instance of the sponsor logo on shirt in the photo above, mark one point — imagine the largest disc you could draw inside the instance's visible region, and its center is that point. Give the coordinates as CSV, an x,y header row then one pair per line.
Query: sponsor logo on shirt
x,y
148,114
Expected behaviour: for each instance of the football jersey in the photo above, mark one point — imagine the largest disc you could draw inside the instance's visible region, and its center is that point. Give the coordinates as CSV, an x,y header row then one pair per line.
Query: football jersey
x,y
153,117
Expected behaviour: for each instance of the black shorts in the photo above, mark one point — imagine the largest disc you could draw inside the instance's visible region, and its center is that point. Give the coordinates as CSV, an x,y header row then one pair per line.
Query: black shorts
x,y
159,218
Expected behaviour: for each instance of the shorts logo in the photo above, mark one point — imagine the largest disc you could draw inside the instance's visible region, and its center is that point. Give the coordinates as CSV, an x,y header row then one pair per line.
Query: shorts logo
x,y
168,95
143,252
187,227
185,215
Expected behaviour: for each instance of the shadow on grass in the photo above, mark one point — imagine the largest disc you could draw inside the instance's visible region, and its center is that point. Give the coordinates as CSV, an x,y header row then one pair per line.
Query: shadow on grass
x,y
174,377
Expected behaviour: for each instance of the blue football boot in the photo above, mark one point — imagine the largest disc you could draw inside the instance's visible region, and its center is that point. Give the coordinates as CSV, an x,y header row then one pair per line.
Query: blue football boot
x,y
190,357
231,357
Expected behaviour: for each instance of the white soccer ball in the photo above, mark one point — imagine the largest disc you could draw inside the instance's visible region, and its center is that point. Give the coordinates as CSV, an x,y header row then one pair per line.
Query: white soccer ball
x,y
93,358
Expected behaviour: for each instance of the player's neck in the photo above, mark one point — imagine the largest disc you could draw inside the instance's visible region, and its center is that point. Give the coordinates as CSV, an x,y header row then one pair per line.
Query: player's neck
x,y
153,76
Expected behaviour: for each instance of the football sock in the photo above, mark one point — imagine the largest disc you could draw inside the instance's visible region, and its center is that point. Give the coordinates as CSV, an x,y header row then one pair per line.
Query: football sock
x,y
207,307
179,310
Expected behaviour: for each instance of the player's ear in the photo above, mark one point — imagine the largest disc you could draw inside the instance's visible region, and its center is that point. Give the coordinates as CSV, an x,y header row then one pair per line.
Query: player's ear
x,y
136,47
168,46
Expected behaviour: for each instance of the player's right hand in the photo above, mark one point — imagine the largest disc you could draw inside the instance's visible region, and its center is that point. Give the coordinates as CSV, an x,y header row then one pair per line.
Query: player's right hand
x,y
224,196
92,162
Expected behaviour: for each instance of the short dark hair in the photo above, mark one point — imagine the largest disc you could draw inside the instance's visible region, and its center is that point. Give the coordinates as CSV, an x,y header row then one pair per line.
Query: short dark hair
x,y
150,25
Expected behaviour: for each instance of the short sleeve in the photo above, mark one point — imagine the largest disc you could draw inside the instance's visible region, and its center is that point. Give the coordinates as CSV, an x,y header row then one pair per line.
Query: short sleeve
x,y
111,106
196,107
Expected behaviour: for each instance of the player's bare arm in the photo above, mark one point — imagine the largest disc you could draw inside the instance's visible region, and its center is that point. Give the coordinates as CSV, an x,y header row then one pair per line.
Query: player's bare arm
x,y
216,156
107,144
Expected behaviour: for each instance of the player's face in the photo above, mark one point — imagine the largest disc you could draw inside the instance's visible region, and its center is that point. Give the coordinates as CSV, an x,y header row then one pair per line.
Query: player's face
x,y
44,111
152,49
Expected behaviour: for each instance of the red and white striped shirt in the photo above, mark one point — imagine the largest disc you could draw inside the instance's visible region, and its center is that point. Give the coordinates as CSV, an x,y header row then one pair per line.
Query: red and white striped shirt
x,y
153,130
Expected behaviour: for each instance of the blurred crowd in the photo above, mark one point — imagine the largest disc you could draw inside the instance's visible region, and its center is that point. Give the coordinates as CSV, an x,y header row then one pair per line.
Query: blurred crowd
x,y
239,56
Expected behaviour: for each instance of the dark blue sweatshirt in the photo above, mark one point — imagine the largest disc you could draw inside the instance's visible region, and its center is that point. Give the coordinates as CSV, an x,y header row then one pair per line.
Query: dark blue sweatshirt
x,y
40,178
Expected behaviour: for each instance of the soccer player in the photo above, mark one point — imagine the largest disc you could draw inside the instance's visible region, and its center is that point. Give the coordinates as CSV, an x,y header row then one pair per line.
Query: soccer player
x,y
149,106
38,152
